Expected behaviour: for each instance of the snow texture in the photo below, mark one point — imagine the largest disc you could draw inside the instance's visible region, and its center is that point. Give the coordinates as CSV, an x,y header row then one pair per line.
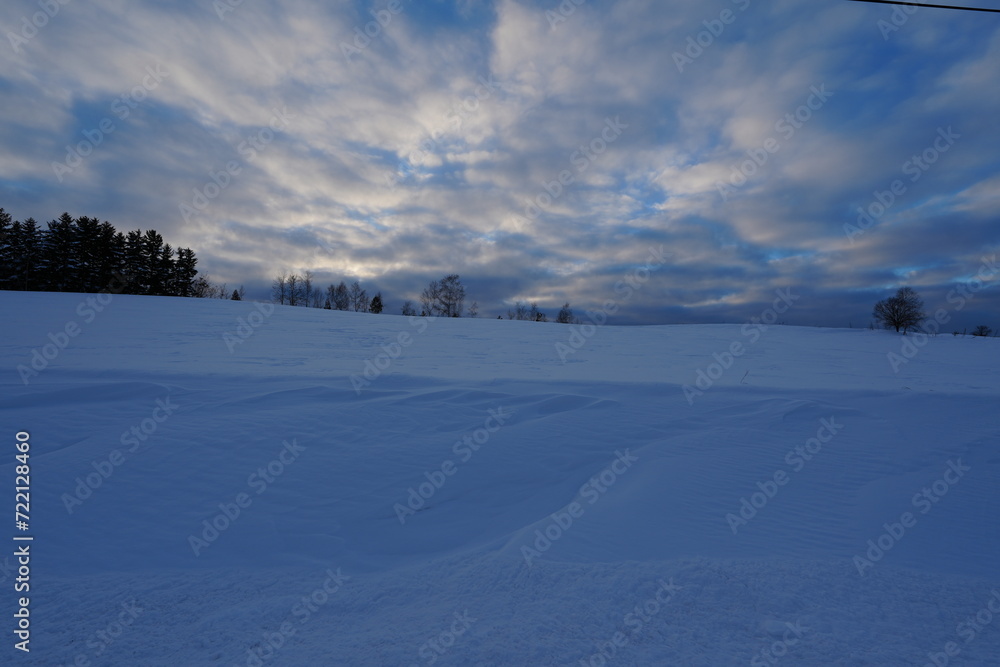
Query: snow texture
x,y
474,499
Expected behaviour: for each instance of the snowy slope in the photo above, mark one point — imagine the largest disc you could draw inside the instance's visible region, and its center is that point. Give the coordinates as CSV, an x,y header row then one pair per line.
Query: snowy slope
x,y
475,500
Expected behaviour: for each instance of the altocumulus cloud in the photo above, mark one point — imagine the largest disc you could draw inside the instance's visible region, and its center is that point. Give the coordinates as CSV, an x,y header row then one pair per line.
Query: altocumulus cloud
x,y
414,136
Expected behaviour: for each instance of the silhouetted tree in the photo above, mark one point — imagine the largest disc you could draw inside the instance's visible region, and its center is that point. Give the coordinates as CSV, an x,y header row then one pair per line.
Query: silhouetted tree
x,y
520,311
443,298
295,287
86,255
26,239
307,287
6,253
202,289
358,297
279,288
565,315
376,305
902,311
58,267
185,272
338,296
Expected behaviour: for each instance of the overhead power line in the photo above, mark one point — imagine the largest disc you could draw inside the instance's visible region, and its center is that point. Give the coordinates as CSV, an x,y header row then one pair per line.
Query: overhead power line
x,y
923,4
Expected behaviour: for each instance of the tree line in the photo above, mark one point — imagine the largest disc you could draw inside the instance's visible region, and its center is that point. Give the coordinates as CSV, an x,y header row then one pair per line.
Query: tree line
x,y
295,290
86,255
441,298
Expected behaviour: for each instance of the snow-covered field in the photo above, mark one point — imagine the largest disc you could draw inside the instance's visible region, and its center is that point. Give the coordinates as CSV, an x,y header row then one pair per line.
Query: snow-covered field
x,y
211,486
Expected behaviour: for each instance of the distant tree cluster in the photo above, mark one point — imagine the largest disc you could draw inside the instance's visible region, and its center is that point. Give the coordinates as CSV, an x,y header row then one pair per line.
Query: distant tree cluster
x,y
522,311
296,290
532,313
441,298
87,255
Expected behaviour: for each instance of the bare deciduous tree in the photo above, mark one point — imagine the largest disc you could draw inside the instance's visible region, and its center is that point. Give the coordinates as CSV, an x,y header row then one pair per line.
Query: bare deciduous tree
x,y
279,288
307,288
520,311
338,296
565,315
903,311
359,297
294,290
444,298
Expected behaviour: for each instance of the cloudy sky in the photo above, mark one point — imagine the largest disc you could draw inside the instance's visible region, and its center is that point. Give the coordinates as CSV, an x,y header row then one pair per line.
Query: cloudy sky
x,y
539,150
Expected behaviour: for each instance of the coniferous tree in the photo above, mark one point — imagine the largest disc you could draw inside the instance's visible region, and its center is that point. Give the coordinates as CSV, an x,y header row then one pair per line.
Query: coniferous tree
x,y
184,272
6,252
152,254
163,272
133,264
376,305
26,238
89,251
58,261
86,255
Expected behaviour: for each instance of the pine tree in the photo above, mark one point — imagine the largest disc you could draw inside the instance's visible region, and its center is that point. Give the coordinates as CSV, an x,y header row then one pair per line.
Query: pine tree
x,y
134,264
6,252
154,263
58,265
185,272
26,243
89,251
110,260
